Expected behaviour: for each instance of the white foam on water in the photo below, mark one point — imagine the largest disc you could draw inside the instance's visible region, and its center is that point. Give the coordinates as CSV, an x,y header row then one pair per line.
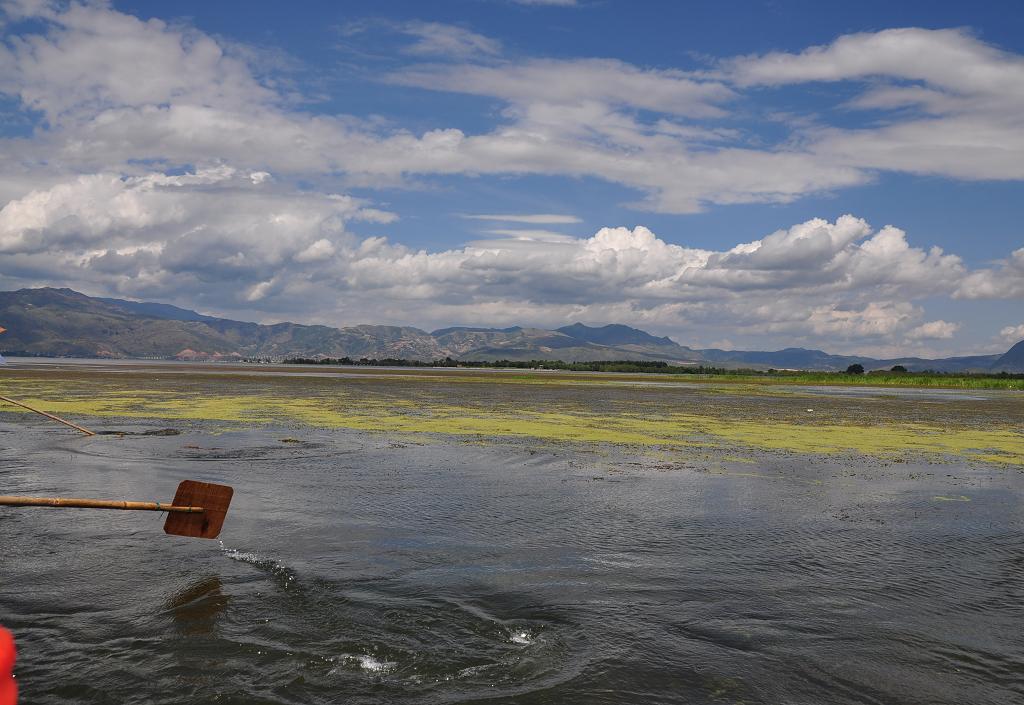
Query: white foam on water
x,y
474,670
521,637
368,663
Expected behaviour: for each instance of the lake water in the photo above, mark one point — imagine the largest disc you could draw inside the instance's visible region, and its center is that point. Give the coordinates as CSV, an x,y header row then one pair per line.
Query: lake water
x,y
363,567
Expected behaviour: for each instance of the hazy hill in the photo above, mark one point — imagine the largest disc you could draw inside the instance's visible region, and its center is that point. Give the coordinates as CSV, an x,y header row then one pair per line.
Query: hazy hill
x,y
62,322
153,310
613,334
1012,359
66,323
573,343
795,358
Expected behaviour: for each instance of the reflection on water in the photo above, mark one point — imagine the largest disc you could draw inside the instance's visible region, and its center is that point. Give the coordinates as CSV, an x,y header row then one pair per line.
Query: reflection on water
x,y
358,570
196,608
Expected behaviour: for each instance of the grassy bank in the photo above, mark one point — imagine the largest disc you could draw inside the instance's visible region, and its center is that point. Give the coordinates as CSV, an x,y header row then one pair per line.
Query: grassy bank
x,y
886,379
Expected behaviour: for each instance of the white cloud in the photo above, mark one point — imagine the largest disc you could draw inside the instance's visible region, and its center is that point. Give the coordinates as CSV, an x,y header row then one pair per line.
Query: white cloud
x,y
576,82
965,121
840,256
875,320
527,234
934,330
259,291
431,39
213,226
1012,334
437,39
945,57
94,57
962,100
322,249
580,118
532,218
1005,281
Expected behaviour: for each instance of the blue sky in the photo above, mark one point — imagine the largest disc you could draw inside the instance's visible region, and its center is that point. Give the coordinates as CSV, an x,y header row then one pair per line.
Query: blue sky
x,y
753,175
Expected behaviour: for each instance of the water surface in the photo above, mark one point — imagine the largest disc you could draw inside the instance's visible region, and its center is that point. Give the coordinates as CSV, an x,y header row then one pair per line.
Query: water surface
x,y
365,567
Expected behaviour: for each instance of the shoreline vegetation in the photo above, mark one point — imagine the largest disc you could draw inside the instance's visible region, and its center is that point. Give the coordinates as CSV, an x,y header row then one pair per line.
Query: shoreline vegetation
x,y
880,378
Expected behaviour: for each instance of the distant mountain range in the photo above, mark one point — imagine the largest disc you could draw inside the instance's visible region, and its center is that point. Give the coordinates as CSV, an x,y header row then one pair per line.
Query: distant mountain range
x,y
65,323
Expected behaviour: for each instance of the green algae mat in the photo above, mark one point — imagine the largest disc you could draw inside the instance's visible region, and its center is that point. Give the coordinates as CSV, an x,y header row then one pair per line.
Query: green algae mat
x,y
489,408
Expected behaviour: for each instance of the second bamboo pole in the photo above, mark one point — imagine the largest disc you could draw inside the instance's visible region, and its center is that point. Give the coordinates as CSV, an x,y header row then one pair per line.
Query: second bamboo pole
x,y
48,415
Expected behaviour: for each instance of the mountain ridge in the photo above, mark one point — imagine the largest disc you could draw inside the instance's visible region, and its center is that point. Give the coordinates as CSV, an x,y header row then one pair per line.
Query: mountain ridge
x,y
63,322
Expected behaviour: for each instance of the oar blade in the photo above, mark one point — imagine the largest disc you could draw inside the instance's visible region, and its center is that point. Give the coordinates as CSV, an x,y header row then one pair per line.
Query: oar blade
x,y
214,499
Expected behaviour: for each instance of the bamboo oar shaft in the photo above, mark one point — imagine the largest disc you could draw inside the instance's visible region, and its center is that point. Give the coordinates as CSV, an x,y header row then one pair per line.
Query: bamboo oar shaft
x,y
11,501
49,416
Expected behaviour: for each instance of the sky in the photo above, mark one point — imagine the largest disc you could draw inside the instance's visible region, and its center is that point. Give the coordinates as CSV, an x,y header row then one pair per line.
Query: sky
x,y
746,175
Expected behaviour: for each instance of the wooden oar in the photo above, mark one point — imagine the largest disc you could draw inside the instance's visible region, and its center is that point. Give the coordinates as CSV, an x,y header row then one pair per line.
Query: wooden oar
x,y
49,416
198,509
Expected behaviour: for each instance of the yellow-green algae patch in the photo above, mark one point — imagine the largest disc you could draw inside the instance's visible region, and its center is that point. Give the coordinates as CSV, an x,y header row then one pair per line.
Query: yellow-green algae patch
x,y
407,410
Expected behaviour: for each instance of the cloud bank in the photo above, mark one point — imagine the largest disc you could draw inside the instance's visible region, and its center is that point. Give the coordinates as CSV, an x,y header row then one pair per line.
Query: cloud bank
x,y
223,240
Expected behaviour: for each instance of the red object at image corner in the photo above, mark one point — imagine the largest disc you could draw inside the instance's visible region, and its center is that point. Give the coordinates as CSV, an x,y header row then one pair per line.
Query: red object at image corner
x,y
8,688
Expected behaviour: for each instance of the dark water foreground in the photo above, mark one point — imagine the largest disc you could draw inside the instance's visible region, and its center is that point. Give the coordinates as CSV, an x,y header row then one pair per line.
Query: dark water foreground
x,y
357,568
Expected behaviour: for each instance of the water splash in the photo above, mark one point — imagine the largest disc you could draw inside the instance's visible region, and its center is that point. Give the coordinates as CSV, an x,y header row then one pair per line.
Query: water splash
x,y
367,663
271,565
521,637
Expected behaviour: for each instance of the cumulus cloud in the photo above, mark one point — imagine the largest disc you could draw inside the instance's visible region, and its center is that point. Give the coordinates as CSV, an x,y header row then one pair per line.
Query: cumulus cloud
x,y
93,57
874,320
160,234
1012,334
1005,281
840,256
322,249
934,330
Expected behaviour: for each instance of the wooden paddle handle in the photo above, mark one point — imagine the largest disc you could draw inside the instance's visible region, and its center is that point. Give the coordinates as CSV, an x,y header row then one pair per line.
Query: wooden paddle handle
x,y
10,501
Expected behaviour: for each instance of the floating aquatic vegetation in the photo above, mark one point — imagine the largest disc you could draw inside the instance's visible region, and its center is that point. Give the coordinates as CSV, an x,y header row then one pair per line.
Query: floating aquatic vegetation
x,y
665,417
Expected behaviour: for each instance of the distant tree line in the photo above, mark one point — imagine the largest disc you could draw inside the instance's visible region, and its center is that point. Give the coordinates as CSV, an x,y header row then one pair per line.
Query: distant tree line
x,y
647,366
591,366
368,362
